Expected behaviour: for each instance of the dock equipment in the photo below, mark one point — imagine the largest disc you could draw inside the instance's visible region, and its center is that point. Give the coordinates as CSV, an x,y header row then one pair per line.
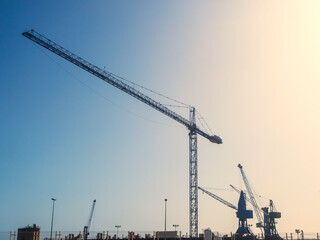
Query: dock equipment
x,y
242,213
117,82
270,221
86,229
267,223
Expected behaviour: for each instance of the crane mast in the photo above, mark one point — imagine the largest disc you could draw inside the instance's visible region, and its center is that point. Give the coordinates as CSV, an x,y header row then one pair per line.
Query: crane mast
x,y
118,83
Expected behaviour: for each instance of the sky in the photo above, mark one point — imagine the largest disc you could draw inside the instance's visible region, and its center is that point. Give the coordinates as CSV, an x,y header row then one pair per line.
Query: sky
x,y
251,68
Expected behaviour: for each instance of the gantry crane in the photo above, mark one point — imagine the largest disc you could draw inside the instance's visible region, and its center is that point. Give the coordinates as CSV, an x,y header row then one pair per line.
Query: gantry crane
x,y
86,229
115,81
242,213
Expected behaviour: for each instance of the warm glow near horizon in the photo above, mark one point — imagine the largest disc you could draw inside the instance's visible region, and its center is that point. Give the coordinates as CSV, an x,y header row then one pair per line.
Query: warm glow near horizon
x,y
259,63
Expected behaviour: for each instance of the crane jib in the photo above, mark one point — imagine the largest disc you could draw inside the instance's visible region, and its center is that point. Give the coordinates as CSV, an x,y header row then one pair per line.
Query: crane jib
x,y
111,79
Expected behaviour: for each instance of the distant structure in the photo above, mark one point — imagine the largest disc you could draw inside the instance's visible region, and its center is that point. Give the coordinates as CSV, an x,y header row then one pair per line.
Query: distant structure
x,y
167,235
207,234
29,233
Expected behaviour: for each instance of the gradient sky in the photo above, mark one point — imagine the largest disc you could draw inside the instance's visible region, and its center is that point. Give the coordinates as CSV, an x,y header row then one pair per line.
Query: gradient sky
x,y
251,68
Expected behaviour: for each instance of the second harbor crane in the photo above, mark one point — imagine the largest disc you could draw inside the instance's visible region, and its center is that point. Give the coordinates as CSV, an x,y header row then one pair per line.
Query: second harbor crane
x,y
117,82
242,213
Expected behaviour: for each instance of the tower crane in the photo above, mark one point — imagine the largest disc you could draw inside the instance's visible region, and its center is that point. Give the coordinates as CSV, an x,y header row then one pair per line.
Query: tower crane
x,y
115,81
86,229
242,213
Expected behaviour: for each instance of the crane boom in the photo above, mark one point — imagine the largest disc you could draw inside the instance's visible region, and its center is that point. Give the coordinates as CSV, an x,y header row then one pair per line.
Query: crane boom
x,y
118,83
91,215
219,199
252,198
113,80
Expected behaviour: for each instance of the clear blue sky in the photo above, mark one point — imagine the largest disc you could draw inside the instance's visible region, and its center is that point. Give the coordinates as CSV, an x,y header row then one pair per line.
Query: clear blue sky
x,y
249,68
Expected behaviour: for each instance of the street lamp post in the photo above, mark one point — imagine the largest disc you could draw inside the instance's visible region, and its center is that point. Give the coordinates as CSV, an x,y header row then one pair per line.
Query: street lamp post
x,y
165,219
53,200
117,227
175,227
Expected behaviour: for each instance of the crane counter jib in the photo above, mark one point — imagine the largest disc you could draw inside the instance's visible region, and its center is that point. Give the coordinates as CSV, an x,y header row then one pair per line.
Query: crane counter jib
x,y
115,81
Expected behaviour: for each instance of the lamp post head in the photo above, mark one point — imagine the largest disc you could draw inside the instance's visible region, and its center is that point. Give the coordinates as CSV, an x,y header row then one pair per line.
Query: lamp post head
x,y
165,200
53,199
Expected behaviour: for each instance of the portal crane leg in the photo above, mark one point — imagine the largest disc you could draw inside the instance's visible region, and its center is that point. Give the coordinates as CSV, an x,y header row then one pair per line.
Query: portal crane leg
x,y
193,177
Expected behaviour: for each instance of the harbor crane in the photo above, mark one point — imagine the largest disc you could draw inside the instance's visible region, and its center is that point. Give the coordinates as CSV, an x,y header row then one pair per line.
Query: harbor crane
x,y
252,199
117,82
267,223
242,213
86,229
270,215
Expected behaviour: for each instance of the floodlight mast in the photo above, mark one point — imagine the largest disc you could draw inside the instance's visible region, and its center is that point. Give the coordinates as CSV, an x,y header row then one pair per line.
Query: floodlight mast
x,y
118,83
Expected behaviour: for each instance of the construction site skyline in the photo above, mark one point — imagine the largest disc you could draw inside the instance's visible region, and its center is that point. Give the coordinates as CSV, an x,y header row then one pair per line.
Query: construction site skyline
x,y
250,69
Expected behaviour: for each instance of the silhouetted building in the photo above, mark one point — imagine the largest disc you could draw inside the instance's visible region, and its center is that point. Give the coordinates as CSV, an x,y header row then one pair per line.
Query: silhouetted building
x,y
207,234
29,233
167,235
